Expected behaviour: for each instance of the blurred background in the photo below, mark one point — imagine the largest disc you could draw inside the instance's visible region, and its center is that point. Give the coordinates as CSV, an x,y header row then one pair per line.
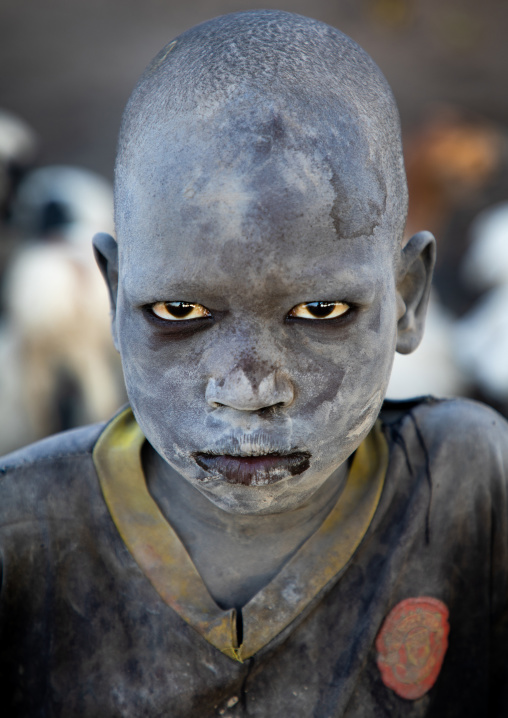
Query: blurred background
x,y
66,70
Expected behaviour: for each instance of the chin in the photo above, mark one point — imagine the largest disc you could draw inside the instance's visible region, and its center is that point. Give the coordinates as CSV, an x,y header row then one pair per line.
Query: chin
x,y
288,494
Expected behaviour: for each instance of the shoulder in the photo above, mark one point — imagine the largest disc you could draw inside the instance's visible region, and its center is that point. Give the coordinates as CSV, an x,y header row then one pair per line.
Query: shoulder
x,y
453,420
52,479
461,440
68,444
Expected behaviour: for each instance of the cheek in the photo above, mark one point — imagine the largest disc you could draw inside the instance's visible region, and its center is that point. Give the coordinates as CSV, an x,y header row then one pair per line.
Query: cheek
x,y
363,348
344,383
158,377
369,365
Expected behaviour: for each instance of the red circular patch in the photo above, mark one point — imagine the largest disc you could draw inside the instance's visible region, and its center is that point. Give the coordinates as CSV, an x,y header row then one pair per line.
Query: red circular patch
x,y
412,644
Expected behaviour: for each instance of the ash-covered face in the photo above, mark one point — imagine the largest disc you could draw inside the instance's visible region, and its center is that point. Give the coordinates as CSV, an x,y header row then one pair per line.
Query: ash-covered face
x,y
256,342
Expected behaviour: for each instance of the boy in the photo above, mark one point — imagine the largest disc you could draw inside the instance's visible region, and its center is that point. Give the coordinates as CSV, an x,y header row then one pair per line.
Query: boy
x,y
256,535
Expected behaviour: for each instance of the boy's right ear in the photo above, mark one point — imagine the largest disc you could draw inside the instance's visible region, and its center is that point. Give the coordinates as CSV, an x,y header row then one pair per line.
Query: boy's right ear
x,y
105,250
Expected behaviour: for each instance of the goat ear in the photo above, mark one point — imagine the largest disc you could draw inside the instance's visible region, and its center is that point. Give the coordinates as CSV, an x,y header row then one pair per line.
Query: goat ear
x,y
413,289
105,250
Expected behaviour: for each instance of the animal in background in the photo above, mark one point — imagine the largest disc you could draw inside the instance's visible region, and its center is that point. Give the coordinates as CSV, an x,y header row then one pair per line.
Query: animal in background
x,y
59,366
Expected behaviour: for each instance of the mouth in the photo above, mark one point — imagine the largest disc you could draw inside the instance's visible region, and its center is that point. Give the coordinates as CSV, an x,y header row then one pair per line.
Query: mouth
x,y
254,470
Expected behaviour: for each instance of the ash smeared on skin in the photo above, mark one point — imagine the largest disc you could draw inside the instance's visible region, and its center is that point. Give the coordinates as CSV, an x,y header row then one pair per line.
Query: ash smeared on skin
x,y
367,416
329,392
249,444
358,214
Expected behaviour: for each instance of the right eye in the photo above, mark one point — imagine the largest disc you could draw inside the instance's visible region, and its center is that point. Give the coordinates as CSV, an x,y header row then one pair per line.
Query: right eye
x,y
177,311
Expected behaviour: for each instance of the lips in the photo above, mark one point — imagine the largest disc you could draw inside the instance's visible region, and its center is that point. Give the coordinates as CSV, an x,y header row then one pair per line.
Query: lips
x,y
254,470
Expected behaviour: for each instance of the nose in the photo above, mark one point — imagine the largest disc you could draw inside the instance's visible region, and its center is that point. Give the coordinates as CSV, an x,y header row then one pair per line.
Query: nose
x,y
239,391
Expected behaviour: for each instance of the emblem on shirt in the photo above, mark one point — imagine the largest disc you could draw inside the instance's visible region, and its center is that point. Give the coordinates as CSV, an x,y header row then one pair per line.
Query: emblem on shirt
x,y
412,644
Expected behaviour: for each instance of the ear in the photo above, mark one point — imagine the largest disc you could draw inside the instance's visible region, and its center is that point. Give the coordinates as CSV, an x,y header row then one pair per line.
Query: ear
x,y
105,250
413,289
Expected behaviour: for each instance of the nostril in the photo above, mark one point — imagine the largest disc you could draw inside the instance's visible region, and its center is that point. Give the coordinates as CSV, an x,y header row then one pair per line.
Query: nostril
x,y
265,410
270,409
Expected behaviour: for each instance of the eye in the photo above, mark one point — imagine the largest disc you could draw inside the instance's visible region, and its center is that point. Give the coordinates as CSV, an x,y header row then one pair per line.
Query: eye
x,y
319,310
176,311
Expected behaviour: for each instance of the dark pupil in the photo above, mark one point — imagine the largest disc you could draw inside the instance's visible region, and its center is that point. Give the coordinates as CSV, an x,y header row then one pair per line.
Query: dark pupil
x,y
179,309
320,309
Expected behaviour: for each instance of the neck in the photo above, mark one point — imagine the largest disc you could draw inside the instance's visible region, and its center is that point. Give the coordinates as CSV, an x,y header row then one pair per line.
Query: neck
x,y
235,554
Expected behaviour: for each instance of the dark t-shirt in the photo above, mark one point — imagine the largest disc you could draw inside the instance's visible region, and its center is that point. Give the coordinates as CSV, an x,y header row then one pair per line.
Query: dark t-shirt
x,y
83,632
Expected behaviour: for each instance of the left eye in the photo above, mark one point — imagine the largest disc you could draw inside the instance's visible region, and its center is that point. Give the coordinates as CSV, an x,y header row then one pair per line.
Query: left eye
x,y
177,311
319,310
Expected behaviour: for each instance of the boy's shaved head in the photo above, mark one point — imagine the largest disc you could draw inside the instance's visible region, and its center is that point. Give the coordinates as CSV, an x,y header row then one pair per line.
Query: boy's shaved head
x,y
240,89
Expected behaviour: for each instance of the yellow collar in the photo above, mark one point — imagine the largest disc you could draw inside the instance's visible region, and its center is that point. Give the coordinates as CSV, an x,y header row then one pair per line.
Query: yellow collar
x,y
164,560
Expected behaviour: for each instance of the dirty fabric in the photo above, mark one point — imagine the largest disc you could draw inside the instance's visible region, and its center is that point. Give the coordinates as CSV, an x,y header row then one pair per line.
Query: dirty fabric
x,y
163,558
84,632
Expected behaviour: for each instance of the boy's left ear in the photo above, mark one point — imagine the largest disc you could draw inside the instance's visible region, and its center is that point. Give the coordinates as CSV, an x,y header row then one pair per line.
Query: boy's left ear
x,y
413,289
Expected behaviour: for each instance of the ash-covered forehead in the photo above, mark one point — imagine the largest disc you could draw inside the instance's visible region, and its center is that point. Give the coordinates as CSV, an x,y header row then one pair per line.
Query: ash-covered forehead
x,y
257,95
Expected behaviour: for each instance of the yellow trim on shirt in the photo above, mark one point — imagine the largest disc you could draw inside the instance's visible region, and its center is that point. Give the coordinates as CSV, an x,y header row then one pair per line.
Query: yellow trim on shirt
x,y
162,557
